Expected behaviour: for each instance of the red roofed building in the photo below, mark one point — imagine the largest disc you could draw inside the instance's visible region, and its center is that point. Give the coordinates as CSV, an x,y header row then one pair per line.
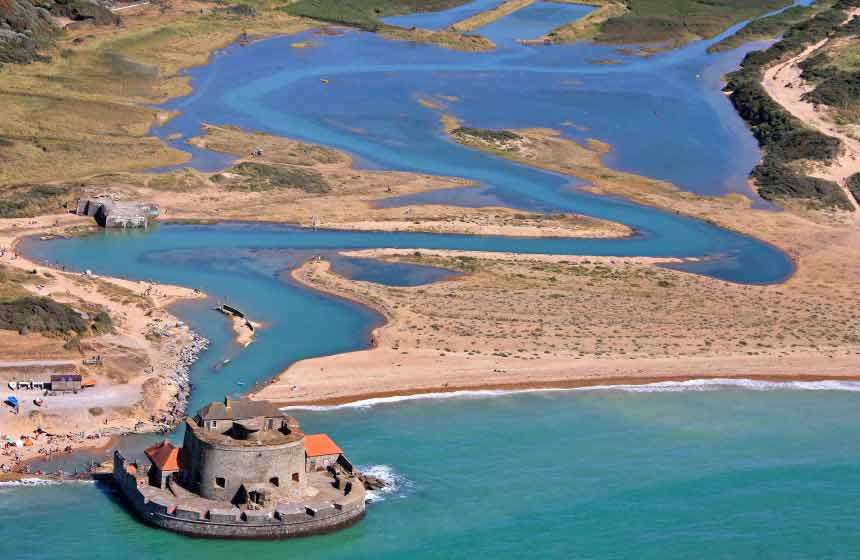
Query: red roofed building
x,y
321,452
166,459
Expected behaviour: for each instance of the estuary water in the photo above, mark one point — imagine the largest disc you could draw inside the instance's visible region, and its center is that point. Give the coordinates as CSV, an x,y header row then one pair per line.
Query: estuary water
x,y
692,470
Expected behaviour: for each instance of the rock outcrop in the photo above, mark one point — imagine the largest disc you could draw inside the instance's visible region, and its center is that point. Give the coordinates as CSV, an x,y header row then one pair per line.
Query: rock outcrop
x,y
24,29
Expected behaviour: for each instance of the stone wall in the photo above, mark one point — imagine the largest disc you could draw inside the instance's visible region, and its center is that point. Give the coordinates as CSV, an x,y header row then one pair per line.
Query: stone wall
x,y
284,521
322,462
217,472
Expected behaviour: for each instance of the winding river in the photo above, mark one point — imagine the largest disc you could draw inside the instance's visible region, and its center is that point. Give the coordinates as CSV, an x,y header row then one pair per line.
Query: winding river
x,y
602,473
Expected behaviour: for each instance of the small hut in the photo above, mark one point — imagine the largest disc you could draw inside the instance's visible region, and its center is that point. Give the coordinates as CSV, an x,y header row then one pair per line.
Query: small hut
x,y
320,452
66,382
165,459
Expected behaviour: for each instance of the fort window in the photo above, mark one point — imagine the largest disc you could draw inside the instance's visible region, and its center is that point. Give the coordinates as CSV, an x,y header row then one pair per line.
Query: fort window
x,y
295,477
213,424
275,481
220,482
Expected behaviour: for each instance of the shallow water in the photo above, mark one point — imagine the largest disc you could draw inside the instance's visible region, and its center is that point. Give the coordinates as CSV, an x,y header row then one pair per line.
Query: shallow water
x,y
442,18
582,474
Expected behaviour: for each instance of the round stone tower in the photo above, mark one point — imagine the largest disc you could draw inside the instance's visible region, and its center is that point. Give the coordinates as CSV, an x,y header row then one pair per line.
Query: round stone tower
x,y
244,452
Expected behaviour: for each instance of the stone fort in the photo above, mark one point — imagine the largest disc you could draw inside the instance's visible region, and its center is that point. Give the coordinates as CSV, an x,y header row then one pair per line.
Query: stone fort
x,y
245,470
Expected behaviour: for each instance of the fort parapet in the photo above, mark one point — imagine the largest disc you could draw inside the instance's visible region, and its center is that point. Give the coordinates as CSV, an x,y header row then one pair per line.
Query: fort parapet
x,y
245,471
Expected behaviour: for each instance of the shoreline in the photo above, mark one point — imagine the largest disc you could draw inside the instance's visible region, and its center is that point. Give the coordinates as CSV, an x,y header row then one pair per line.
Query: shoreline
x,y
375,334
609,383
152,394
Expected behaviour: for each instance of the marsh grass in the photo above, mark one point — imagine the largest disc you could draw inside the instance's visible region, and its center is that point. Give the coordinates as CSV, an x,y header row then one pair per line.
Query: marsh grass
x,y
83,112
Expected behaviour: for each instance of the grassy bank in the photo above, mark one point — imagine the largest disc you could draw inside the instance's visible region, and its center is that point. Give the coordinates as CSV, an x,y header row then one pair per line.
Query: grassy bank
x,y
585,28
835,71
769,27
669,23
22,312
83,111
365,14
484,18
788,144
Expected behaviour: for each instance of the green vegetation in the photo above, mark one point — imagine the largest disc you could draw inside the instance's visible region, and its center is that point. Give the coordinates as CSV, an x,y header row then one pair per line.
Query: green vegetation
x,y
835,86
24,29
676,22
766,27
787,142
776,181
38,314
486,134
83,10
20,311
263,177
29,201
364,13
278,149
854,186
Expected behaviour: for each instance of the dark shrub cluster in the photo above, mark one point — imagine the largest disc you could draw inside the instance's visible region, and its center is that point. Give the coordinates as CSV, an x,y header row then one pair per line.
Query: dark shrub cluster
x,y
39,314
784,138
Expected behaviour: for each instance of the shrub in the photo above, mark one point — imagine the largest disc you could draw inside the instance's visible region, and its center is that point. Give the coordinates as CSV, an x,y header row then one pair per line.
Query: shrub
x,y
775,181
29,201
853,185
784,138
261,177
40,314
487,134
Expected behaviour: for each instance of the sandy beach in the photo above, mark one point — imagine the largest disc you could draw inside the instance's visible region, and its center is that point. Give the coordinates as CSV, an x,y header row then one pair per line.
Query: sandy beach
x,y
509,321
580,320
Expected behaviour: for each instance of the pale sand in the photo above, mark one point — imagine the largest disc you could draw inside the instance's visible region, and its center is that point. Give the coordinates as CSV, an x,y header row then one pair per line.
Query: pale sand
x,y
349,204
244,334
441,337
398,364
490,225
784,84
520,257
145,387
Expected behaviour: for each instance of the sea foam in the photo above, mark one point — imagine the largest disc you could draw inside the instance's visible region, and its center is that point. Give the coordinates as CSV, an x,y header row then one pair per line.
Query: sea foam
x,y
34,481
656,387
395,483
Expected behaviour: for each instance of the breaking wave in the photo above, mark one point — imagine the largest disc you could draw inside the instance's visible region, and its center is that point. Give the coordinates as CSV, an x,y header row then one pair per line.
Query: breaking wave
x,y
395,484
656,387
34,481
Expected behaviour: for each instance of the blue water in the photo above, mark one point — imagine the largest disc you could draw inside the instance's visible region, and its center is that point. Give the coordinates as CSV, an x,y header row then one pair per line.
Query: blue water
x,y
529,22
533,21
587,474
442,18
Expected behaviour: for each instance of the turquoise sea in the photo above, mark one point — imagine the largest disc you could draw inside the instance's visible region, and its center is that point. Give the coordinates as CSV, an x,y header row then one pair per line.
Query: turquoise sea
x,y
726,473
698,469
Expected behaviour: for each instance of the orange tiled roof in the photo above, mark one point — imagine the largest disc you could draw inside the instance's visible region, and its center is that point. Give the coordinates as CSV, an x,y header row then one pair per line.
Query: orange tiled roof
x,y
164,456
320,444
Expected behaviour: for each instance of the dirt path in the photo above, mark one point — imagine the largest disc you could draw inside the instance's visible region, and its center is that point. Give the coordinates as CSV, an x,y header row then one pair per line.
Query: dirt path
x,y
784,84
